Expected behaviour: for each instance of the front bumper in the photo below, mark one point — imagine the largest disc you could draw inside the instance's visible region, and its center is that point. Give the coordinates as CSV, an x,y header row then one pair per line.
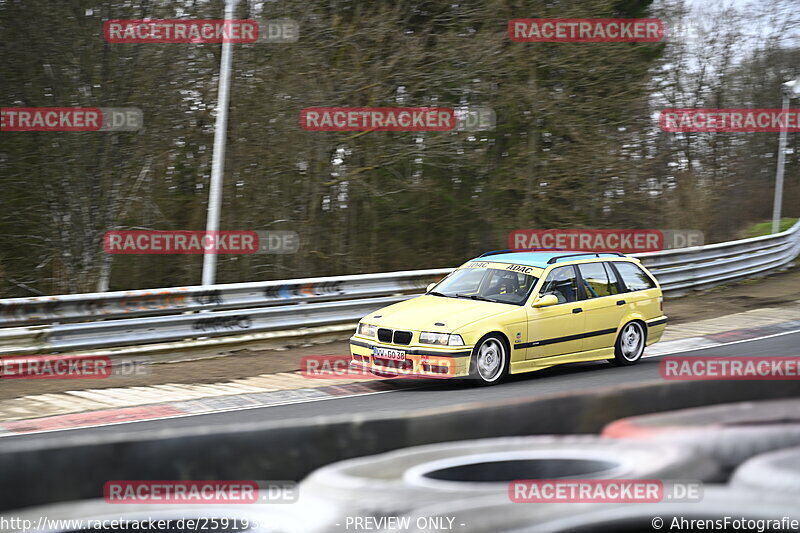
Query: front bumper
x,y
426,361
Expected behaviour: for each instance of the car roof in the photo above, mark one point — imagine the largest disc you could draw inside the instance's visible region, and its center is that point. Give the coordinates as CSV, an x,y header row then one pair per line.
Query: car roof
x,y
540,259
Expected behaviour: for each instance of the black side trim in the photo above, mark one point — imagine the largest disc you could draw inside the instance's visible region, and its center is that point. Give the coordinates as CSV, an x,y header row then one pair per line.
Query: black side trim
x,y
565,339
465,353
657,322
361,344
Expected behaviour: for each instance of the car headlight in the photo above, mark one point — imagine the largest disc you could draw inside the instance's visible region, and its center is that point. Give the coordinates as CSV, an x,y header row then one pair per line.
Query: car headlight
x,y
441,339
367,330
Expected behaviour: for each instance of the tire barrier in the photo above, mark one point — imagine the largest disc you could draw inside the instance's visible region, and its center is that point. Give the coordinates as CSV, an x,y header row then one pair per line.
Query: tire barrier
x,y
36,470
392,483
730,433
775,471
490,514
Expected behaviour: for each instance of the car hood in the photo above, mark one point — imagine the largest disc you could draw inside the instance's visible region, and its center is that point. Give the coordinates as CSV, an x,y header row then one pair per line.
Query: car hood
x,y
423,312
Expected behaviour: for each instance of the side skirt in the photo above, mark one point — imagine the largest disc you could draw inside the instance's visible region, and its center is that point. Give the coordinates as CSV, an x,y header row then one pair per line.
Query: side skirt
x,y
531,365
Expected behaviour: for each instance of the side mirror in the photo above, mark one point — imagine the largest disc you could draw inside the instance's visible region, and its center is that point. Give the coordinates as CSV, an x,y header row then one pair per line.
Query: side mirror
x,y
546,301
432,285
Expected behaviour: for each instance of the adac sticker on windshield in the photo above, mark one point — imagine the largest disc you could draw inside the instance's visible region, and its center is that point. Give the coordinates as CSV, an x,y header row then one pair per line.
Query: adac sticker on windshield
x,y
519,268
487,264
501,266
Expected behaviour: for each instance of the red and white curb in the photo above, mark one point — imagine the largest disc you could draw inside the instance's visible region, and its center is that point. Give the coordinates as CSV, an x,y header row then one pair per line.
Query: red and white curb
x,y
219,404
721,339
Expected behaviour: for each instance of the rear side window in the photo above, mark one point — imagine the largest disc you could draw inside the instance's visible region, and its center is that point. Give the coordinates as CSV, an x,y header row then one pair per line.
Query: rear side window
x,y
596,281
633,276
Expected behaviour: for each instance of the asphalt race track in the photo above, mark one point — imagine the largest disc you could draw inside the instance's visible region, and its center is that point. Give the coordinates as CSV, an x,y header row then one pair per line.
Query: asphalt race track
x,y
575,377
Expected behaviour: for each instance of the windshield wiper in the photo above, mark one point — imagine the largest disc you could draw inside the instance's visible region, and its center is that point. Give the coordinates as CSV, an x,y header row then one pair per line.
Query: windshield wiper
x,y
481,298
439,294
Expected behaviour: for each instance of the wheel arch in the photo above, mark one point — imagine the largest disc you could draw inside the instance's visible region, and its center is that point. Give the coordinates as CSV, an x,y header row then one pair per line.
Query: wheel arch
x,y
632,317
502,336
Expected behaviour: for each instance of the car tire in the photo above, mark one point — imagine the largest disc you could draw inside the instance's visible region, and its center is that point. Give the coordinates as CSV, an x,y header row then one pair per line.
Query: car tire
x,y
777,471
630,344
395,482
729,433
489,361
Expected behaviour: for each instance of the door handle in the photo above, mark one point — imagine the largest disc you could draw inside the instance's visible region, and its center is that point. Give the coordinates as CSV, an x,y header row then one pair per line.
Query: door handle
x,y
577,310
620,302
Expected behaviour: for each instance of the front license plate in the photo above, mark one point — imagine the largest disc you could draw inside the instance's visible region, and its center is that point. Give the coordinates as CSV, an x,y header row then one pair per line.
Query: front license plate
x,y
388,353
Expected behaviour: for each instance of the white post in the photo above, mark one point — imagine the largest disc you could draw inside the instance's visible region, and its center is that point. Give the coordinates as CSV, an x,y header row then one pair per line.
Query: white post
x,y
218,157
778,202
790,88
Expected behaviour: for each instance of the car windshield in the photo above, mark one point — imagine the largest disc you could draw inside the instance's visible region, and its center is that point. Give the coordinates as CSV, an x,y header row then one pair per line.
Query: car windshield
x,y
491,284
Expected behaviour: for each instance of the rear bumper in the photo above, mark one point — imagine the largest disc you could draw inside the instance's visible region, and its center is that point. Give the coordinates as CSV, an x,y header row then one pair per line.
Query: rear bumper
x,y
419,361
655,329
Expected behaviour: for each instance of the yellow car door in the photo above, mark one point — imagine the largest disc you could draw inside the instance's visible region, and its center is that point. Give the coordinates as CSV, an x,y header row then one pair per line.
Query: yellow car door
x,y
604,307
556,329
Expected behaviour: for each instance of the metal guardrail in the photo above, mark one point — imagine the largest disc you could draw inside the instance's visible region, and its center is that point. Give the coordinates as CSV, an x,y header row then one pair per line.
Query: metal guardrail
x,y
155,302
701,267
131,331
126,318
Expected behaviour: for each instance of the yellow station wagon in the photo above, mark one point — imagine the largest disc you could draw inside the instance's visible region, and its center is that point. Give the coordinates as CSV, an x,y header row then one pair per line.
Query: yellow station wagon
x,y
512,312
